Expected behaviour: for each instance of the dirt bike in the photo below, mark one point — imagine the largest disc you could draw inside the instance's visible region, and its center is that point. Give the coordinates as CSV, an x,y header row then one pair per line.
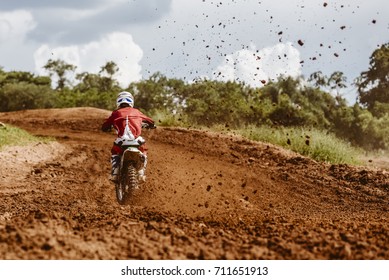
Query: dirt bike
x,y
131,162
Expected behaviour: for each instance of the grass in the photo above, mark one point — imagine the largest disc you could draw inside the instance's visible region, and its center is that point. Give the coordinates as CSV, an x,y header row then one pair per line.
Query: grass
x,y
314,143
13,136
164,118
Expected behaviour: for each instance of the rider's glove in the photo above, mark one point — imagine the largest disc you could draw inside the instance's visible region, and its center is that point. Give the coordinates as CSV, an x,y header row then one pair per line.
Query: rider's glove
x,y
148,125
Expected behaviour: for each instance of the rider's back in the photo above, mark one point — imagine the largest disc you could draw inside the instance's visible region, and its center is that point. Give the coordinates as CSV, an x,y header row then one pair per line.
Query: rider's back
x,y
119,117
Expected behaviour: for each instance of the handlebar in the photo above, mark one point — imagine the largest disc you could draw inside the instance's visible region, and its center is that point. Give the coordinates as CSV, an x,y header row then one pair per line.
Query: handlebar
x,y
149,126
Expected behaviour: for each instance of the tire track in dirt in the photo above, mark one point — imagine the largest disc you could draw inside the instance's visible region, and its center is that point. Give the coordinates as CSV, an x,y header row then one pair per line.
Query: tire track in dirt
x,y
207,196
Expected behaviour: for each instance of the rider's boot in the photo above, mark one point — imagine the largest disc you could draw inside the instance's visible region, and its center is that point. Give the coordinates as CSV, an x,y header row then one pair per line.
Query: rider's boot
x,y
115,162
142,171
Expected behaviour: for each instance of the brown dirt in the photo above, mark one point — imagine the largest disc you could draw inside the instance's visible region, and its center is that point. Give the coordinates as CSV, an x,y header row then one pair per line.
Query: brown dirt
x,y
208,196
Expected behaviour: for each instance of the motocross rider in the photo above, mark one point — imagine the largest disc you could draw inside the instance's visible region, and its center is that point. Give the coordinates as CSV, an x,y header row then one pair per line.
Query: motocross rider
x,y
128,122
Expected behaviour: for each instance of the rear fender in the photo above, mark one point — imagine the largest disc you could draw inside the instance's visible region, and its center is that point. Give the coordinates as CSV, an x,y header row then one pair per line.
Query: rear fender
x,y
133,154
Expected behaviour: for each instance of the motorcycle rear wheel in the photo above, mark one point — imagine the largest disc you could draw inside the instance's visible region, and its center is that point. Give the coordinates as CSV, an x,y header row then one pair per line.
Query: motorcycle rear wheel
x,y
127,183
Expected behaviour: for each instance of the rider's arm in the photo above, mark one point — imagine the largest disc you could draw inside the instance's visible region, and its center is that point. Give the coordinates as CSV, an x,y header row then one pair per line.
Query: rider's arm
x,y
147,120
107,125
149,125
106,128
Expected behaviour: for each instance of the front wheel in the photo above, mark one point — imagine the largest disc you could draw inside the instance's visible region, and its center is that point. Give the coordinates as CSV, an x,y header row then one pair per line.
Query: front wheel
x,y
127,183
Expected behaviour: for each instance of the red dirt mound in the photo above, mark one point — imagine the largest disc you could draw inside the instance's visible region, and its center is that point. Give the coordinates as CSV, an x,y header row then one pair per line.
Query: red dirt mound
x,y
207,196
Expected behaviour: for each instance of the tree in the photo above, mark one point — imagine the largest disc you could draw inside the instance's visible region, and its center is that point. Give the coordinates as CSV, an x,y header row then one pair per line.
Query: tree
x,y
335,82
318,79
22,96
110,68
214,102
14,77
60,68
373,84
157,93
88,81
101,82
107,83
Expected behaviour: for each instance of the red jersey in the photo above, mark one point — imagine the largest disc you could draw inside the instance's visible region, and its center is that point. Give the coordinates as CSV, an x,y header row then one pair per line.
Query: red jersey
x,y
118,121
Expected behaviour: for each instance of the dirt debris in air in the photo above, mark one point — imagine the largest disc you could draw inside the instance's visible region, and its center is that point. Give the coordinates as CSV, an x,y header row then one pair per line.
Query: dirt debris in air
x,y
208,196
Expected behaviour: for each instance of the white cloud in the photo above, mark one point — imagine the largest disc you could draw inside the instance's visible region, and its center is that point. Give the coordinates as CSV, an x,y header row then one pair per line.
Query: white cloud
x,y
15,25
117,47
254,66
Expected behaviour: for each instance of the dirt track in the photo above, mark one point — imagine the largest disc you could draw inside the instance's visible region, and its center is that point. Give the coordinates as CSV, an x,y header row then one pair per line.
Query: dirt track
x,y
208,196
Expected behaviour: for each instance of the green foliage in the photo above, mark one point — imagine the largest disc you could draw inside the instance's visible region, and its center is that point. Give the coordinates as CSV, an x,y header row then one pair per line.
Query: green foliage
x,y
166,118
361,127
102,82
316,144
22,96
335,82
373,85
374,133
213,102
110,68
295,104
91,98
284,103
14,77
288,113
13,136
59,68
23,90
379,109
157,93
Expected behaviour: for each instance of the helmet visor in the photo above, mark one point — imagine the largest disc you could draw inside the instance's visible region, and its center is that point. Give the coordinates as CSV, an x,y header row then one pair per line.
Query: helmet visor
x,y
125,100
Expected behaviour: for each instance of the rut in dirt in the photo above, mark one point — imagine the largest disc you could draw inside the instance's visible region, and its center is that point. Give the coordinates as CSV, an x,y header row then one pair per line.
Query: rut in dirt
x,y
207,196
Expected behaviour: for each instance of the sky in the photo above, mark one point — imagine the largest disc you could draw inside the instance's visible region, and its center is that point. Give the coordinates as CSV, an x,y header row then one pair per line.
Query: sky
x,y
251,41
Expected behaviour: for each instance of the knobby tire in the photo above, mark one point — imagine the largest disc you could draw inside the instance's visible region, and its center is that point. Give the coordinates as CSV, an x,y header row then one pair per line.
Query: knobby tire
x,y
127,183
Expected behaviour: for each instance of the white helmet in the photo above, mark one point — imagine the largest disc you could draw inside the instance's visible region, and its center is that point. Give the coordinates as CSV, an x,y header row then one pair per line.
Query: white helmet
x,y
125,98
